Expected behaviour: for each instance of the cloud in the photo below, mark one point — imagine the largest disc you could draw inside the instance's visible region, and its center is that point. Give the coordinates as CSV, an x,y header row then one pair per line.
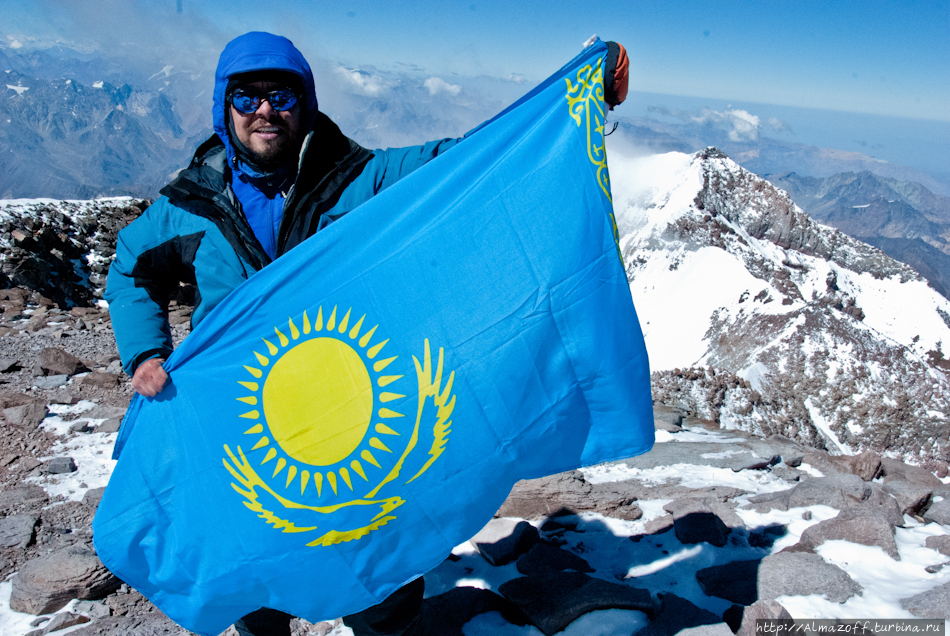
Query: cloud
x,y
364,83
741,125
15,43
437,85
517,78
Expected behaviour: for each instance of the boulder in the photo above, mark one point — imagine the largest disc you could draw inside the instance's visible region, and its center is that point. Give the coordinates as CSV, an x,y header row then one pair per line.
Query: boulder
x,y
47,583
64,620
447,613
504,540
51,382
840,490
544,558
857,526
934,603
29,497
109,426
893,468
61,465
939,513
56,361
696,527
26,416
912,497
93,496
742,619
867,465
101,379
553,601
940,543
17,531
676,615
667,415
734,581
803,573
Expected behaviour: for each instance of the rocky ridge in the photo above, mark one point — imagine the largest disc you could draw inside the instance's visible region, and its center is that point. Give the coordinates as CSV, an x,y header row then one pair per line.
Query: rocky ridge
x,y
757,317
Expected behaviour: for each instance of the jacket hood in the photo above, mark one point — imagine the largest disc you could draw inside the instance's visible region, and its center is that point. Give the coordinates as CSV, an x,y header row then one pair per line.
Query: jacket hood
x,y
259,51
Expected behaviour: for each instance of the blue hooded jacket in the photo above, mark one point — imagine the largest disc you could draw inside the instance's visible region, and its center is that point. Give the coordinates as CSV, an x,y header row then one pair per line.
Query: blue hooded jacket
x,y
219,222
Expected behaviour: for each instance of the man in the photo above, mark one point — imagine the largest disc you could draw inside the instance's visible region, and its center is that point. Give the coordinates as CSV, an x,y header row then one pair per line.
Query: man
x,y
275,172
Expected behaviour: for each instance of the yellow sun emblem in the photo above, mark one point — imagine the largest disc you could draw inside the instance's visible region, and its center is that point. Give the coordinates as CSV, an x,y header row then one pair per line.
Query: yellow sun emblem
x,y
329,413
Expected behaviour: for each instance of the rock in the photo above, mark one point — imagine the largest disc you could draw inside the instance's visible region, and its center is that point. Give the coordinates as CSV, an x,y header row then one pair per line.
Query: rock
x,y
64,620
696,527
101,379
9,364
55,361
939,513
676,615
867,465
104,411
92,609
668,415
757,463
504,540
794,460
544,558
17,531
28,497
883,504
93,496
61,465
27,416
934,603
893,468
857,526
940,543
568,493
660,425
788,474
554,601
743,620
659,525
842,490
45,584
50,382
447,613
109,426
911,497
80,427
734,581
697,519
803,573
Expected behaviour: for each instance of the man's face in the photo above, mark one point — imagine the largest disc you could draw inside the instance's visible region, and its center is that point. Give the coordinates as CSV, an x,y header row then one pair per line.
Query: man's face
x,y
272,137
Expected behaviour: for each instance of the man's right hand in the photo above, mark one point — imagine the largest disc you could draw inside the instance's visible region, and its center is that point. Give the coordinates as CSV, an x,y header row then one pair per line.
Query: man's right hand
x,y
150,377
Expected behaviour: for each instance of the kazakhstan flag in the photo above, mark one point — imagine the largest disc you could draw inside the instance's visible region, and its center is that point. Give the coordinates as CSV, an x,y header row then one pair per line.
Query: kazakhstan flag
x,y
360,407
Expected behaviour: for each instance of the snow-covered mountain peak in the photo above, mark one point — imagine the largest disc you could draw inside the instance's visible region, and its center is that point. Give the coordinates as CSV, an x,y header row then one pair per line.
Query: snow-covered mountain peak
x,y
824,337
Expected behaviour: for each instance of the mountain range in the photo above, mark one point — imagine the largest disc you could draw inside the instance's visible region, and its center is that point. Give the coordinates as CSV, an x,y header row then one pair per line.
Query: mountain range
x,y
760,318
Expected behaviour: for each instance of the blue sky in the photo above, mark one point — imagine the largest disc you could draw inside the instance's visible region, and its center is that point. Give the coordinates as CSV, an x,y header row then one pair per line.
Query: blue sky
x,y
881,60
874,56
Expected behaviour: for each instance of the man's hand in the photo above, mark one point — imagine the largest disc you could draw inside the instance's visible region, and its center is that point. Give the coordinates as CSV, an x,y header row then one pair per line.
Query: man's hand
x,y
150,377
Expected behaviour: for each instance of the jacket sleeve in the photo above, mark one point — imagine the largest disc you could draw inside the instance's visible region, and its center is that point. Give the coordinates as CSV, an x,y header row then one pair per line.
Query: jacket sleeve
x,y
395,163
151,259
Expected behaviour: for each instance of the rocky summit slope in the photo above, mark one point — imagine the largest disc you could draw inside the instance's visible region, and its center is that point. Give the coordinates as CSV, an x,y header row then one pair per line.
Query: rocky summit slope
x,y
757,317
808,345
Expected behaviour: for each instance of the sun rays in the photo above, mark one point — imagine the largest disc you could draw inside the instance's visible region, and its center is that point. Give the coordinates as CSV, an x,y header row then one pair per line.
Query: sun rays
x,y
322,411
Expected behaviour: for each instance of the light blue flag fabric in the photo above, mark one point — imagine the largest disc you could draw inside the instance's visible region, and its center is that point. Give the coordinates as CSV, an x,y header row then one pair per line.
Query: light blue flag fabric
x,y
357,409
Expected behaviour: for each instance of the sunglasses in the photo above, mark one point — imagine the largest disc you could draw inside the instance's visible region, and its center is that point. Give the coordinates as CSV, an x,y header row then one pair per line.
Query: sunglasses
x,y
247,101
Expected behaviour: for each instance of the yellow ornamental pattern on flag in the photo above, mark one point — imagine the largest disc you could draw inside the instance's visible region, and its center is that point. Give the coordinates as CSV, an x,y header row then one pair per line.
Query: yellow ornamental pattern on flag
x,y
585,101
330,425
